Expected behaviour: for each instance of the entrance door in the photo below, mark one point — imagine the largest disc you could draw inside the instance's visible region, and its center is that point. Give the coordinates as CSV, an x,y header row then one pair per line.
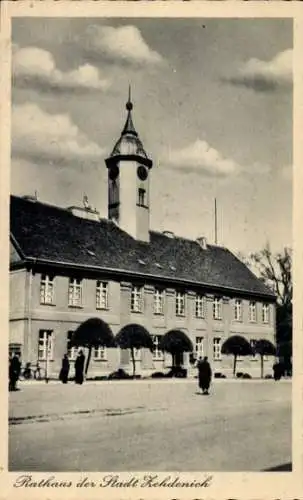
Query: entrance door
x,y
178,359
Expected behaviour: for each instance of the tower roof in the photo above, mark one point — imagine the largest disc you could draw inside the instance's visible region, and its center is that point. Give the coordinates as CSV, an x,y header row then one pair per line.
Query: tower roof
x,y
129,142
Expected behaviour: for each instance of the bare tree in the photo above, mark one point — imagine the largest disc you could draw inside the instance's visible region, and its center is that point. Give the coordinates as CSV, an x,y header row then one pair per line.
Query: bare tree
x,y
275,270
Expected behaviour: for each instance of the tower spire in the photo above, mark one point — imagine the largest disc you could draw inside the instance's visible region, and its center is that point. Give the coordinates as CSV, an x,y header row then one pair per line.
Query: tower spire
x,y
129,126
129,104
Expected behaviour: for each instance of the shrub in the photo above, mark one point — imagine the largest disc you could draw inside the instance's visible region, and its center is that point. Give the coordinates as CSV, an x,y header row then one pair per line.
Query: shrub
x,y
98,378
246,375
268,376
219,375
120,374
178,372
239,374
158,375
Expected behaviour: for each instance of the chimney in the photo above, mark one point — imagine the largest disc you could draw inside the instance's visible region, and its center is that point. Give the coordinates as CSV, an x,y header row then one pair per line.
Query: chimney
x,y
30,197
202,242
169,234
85,213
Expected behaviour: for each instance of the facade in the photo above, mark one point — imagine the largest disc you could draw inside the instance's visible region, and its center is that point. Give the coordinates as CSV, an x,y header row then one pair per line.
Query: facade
x,y
68,265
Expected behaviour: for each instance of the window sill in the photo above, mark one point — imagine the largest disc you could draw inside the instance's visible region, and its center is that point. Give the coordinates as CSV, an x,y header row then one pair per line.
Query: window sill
x,y
47,304
215,360
102,308
136,312
180,315
158,314
217,319
100,360
142,206
199,317
75,307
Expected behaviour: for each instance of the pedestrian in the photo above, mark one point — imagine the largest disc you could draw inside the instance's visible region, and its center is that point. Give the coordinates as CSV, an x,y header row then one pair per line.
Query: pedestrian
x,y
64,370
14,372
79,368
277,369
204,371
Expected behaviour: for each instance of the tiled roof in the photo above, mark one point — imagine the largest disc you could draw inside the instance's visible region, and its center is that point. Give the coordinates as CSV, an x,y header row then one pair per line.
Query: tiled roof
x,y
53,234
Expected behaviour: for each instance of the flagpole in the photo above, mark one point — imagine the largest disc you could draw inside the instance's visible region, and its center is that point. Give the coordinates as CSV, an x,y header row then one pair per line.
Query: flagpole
x,y
216,225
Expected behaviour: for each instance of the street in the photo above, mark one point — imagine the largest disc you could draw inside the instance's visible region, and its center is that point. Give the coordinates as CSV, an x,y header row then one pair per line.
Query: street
x,y
163,425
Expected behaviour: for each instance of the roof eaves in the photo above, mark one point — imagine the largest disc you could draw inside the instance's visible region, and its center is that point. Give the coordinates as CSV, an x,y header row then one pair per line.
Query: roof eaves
x,y
150,275
17,246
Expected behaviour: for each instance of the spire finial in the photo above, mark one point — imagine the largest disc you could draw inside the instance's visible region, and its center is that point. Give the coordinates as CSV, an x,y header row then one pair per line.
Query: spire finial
x,y
129,104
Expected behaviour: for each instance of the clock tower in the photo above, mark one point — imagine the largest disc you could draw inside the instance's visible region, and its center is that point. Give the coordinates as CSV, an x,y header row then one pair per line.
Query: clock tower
x,y
129,170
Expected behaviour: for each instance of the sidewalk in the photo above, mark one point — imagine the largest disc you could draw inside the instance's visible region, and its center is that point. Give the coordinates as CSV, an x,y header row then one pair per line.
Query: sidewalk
x,y
23,383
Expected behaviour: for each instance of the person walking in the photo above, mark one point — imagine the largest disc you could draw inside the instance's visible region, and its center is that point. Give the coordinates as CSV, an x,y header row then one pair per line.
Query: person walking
x,y
64,370
277,369
205,373
79,368
14,372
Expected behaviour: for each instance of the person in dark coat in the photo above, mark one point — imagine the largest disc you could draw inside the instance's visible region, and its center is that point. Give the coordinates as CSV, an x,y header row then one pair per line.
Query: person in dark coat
x,y
277,369
64,370
204,371
79,368
14,372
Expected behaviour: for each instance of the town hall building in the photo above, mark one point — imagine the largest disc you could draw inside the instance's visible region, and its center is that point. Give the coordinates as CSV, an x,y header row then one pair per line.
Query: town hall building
x,y
68,265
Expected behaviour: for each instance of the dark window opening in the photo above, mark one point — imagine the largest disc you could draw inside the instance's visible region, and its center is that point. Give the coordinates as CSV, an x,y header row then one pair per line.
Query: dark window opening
x,y
141,197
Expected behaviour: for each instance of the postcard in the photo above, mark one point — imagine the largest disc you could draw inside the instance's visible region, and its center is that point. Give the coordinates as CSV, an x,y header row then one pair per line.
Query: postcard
x,y
151,247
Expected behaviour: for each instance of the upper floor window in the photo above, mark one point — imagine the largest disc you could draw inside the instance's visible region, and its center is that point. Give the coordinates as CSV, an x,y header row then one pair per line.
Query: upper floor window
x,y
47,289
158,301
157,353
100,353
180,303
265,313
252,312
101,295
217,348
199,347
200,306
137,299
75,292
141,197
72,351
45,345
217,308
238,310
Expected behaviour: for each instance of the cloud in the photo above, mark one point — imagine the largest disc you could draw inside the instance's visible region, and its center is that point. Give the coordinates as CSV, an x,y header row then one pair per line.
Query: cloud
x,y
264,76
36,67
122,44
54,139
199,157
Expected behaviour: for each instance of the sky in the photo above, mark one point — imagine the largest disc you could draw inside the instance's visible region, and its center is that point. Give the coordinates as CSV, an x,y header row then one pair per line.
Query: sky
x,y
212,105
